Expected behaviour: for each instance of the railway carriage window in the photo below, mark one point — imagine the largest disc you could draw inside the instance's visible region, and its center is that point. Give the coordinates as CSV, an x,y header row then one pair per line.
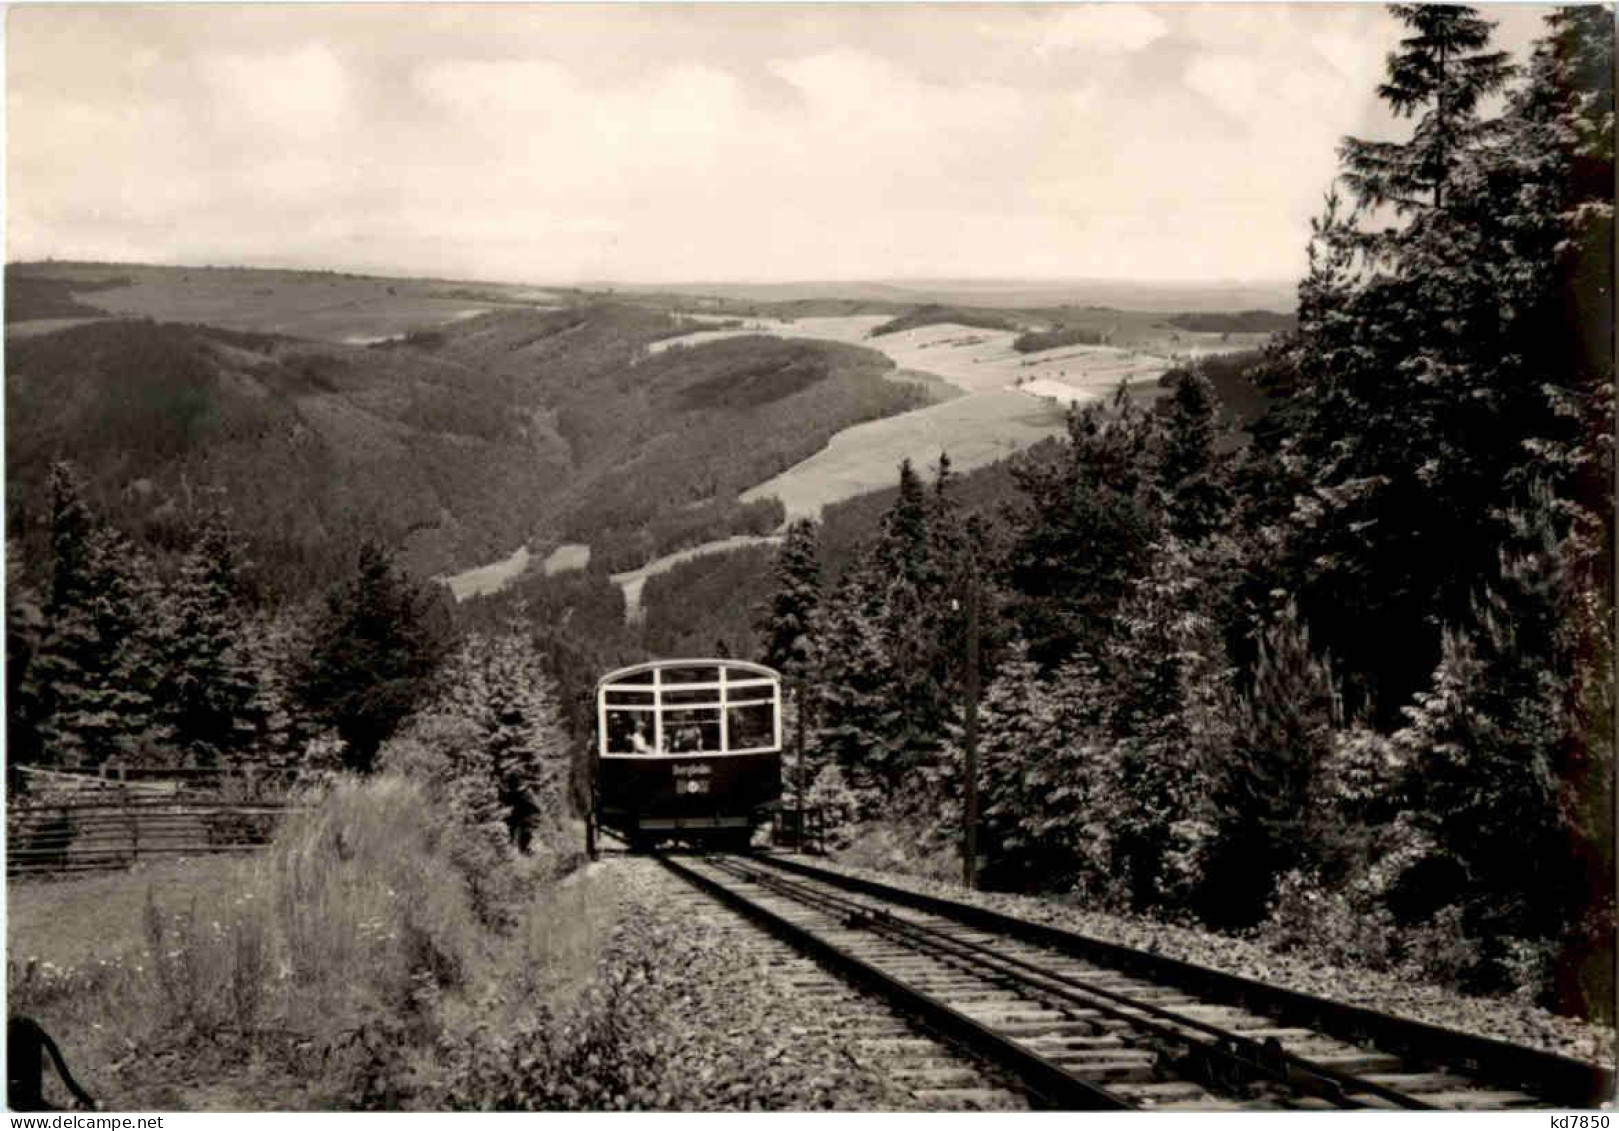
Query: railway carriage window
x,y
681,709
629,732
619,726
690,675
704,696
751,726
692,731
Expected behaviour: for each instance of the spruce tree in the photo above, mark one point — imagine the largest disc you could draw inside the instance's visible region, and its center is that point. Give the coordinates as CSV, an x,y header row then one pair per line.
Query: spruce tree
x,y
523,734
1014,759
208,698
790,627
922,558
1164,660
1284,736
1512,750
1439,76
71,524
87,690
371,655
849,711
1073,808
789,624
26,697
903,543
95,662
1433,359
1080,530
1191,479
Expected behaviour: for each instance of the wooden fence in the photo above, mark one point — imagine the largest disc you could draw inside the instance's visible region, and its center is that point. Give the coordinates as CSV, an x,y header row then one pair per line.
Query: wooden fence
x,y
59,822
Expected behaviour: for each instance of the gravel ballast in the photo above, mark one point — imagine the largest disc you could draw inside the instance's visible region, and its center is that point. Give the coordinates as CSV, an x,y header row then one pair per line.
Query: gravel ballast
x,y
747,1023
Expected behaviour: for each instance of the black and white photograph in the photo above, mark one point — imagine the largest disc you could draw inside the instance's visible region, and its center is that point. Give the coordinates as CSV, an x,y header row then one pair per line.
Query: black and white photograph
x,y
831,557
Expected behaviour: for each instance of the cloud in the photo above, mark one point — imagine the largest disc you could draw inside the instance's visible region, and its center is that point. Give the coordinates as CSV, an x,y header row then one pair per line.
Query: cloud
x,y
995,140
496,91
1232,82
863,99
301,94
542,125
1356,59
1102,28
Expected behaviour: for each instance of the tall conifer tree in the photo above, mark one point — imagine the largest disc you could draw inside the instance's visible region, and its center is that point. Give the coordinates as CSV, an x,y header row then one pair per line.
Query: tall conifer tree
x,y
1439,76
371,655
789,624
208,699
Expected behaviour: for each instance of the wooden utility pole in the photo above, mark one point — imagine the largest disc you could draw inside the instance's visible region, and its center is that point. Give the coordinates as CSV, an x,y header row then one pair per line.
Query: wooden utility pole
x,y
969,854
798,750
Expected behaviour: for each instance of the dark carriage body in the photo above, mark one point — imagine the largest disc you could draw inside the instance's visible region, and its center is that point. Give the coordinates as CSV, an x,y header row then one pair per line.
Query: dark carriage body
x,y
687,750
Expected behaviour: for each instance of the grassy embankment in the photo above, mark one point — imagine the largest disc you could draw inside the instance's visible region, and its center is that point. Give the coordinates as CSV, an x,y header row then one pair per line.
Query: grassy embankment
x,y
379,956
325,973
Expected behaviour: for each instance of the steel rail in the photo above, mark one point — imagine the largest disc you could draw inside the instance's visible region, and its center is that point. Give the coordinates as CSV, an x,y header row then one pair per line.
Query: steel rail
x,y
1266,1059
1050,1085
1560,1080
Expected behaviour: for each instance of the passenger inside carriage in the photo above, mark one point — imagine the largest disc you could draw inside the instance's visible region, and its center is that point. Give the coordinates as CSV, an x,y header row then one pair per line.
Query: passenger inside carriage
x,y
639,743
629,732
693,731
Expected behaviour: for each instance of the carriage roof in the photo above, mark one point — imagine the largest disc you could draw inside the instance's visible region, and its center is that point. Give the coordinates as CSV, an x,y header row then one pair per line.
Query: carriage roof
x,y
625,674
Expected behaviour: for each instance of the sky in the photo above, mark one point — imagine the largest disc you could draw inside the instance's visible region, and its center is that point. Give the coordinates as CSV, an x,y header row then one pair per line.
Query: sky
x,y
673,142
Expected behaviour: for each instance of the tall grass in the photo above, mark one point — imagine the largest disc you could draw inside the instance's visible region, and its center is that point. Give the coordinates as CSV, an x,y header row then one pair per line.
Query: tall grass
x,y
372,917
342,938
557,945
333,972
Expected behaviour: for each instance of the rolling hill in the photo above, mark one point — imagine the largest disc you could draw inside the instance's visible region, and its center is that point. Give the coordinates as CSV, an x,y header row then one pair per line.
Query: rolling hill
x,y
308,445
455,444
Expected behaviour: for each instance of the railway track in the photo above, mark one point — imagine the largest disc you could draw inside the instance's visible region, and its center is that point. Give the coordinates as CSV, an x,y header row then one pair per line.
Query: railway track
x,y
935,1075
1087,1025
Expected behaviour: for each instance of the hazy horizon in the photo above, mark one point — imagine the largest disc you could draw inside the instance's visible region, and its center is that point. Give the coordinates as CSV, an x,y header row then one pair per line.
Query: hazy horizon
x,y
1168,295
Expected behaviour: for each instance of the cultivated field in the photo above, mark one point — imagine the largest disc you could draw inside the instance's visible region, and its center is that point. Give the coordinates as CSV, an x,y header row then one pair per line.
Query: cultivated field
x,y
352,311
494,577
972,430
634,581
1139,346
491,578
1012,399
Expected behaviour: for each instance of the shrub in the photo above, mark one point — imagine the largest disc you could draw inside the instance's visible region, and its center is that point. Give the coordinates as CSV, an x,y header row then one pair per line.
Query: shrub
x,y
900,847
1439,950
1327,924
839,805
444,756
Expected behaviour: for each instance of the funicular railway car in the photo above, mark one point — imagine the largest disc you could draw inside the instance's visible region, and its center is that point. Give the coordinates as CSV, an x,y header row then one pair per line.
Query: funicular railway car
x,y
687,750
